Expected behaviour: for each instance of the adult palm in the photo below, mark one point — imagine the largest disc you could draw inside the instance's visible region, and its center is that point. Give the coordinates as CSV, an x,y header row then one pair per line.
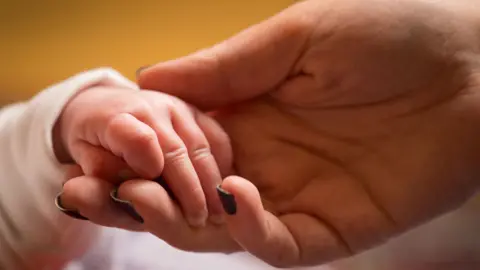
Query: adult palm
x,y
354,120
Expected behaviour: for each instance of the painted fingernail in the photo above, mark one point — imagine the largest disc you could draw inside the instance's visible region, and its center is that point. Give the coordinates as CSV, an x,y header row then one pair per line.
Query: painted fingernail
x,y
71,213
140,69
228,201
161,181
126,206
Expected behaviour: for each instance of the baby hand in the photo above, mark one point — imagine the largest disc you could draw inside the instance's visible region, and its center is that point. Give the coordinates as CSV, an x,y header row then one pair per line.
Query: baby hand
x,y
115,134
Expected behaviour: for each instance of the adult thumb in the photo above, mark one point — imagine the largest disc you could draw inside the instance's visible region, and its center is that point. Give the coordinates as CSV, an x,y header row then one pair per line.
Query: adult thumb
x,y
288,239
242,67
255,229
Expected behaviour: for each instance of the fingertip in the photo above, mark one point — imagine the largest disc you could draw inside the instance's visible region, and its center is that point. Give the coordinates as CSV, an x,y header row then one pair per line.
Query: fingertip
x,y
237,184
69,198
145,76
149,198
139,71
241,202
244,191
126,206
258,231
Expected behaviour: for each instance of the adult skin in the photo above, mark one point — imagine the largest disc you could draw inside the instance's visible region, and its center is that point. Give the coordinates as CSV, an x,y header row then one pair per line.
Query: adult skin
x,y
353,121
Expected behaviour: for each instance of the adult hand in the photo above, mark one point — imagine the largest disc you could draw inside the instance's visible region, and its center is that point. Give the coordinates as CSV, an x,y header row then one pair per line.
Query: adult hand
x,y
353,120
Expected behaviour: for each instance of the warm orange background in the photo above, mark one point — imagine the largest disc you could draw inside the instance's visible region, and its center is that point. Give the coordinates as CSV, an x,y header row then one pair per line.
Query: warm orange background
x,y
42,42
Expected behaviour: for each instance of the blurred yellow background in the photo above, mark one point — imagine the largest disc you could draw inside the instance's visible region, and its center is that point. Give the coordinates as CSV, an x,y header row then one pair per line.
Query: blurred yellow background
x,y
43,42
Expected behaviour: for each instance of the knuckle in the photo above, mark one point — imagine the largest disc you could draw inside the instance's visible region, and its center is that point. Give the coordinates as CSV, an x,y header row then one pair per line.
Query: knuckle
x,y
176,155
174,103
142,107
144,137
117,122
201,153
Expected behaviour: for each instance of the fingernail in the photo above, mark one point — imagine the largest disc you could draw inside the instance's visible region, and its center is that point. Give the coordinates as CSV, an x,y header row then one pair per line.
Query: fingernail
x,y
75,215
71,213
228,201
161,181
140,69
126,206
198,221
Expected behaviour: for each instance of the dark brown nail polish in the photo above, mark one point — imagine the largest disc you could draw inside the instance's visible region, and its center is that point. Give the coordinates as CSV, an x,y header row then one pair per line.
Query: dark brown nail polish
x,y
75,215
228,201
161,181
126,206
71,213
140,69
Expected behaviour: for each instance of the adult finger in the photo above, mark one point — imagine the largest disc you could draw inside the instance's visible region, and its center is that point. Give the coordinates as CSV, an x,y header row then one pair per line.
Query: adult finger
x,y
245,66
164,218
284,241
90,197
98,162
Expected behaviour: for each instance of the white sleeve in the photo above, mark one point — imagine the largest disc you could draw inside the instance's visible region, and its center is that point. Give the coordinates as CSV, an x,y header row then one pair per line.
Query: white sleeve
x,y
33,233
